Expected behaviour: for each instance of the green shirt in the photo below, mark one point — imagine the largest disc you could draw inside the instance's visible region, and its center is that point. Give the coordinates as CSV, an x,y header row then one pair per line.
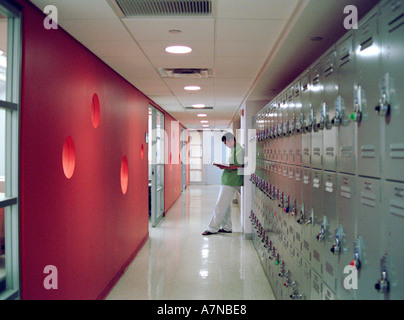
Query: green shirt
x,y
234,178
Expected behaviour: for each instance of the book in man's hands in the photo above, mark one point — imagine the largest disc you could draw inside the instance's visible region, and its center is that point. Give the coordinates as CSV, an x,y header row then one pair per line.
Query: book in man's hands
x,y
215,163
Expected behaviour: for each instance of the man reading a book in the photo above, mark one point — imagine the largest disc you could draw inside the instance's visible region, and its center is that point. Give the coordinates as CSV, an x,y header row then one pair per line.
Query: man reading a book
x,y
232,179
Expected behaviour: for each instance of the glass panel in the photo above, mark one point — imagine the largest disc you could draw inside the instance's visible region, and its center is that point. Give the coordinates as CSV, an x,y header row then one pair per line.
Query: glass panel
x,y
2,152
195,151
195,163
195,175
2,251
3,56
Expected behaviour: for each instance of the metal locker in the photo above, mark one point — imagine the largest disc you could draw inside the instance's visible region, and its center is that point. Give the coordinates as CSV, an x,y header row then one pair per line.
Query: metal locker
x,y
328,294
346,80
345,233
304,215
366,96
330,110
317,115
297,123
308,122
316,286
327,231
306,280
369,243
393,209
289,204
290,125
283,130
317,240
391,92
294,283
297,202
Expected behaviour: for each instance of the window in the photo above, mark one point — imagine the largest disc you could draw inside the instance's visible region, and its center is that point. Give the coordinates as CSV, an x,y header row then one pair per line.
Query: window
x,y
10,62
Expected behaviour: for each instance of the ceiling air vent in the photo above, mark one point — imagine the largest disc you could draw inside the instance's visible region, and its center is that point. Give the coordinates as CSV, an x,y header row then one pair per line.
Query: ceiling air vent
x,y
163,8
186,73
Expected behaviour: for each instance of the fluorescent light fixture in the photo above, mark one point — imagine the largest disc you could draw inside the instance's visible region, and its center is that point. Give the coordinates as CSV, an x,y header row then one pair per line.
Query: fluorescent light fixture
x,y
205,126
199,105
192,88
204,121
178,49
202,115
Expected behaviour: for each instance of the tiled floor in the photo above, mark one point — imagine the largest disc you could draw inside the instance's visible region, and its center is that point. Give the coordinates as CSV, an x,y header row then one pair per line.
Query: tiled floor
x,y
177,262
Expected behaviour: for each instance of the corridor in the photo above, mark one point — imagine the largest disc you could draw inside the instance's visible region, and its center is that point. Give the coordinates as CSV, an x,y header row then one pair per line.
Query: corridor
x,y
178,263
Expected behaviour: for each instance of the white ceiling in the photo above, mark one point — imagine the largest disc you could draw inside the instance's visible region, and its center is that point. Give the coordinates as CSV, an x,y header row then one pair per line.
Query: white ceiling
x,y
242,42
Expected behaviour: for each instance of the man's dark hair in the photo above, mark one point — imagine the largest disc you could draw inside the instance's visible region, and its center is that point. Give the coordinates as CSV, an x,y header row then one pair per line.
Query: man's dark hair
x,y
227,136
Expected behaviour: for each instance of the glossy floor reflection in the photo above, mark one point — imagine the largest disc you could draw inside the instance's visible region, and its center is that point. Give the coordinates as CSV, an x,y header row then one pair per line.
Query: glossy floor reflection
x,y
177,262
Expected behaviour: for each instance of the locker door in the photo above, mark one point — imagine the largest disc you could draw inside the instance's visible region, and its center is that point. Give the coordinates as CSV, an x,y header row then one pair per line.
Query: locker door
x,y
332,117
346,223
297,204
283,130
391,91
289,203
306,211
318,214
366,95
393,199
298,124
330,261
290,126
346,78
308,122
369,243
318,119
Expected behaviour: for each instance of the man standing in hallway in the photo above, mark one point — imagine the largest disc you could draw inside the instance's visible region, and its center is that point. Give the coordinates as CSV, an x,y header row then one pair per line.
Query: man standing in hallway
x,y
232,179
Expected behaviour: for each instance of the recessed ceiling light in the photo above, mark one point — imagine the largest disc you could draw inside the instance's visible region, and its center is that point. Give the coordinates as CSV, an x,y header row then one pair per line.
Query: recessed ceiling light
x,y
178,49
205,126
202,115
199,105
204,121
192,88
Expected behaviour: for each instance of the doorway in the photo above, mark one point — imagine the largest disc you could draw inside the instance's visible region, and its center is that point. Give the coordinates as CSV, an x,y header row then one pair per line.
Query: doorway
x,y
156,165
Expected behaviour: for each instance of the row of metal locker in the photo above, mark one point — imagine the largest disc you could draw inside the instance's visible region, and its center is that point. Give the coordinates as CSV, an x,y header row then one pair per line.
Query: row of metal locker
x,y
328,199
311,224
345,113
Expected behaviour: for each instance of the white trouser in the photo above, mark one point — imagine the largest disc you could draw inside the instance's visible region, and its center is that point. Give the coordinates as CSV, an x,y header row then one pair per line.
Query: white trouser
x,y
221,217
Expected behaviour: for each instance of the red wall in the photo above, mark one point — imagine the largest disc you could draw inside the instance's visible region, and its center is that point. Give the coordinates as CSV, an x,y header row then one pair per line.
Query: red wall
x,y
85,225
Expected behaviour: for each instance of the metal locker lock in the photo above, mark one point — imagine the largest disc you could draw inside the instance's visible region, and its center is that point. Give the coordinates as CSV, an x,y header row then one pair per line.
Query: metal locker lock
x,y
383,284
326,116
282,271
311,218
300,124
309,122
356,262
384,103
288,282
321,235
356,115
337,246
296,296
301,218
339,110
273,253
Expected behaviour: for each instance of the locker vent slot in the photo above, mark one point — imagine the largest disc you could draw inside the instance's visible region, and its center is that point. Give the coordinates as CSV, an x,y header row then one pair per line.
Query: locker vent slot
x,y
367,43
368,151
368,199
164,8
397,151
329,268
344,60
397,207
391,23
329,71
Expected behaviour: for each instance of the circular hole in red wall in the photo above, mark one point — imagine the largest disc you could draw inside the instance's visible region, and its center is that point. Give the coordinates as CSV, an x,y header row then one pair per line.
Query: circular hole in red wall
x,y
95,111
124,175
68,157
141,152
